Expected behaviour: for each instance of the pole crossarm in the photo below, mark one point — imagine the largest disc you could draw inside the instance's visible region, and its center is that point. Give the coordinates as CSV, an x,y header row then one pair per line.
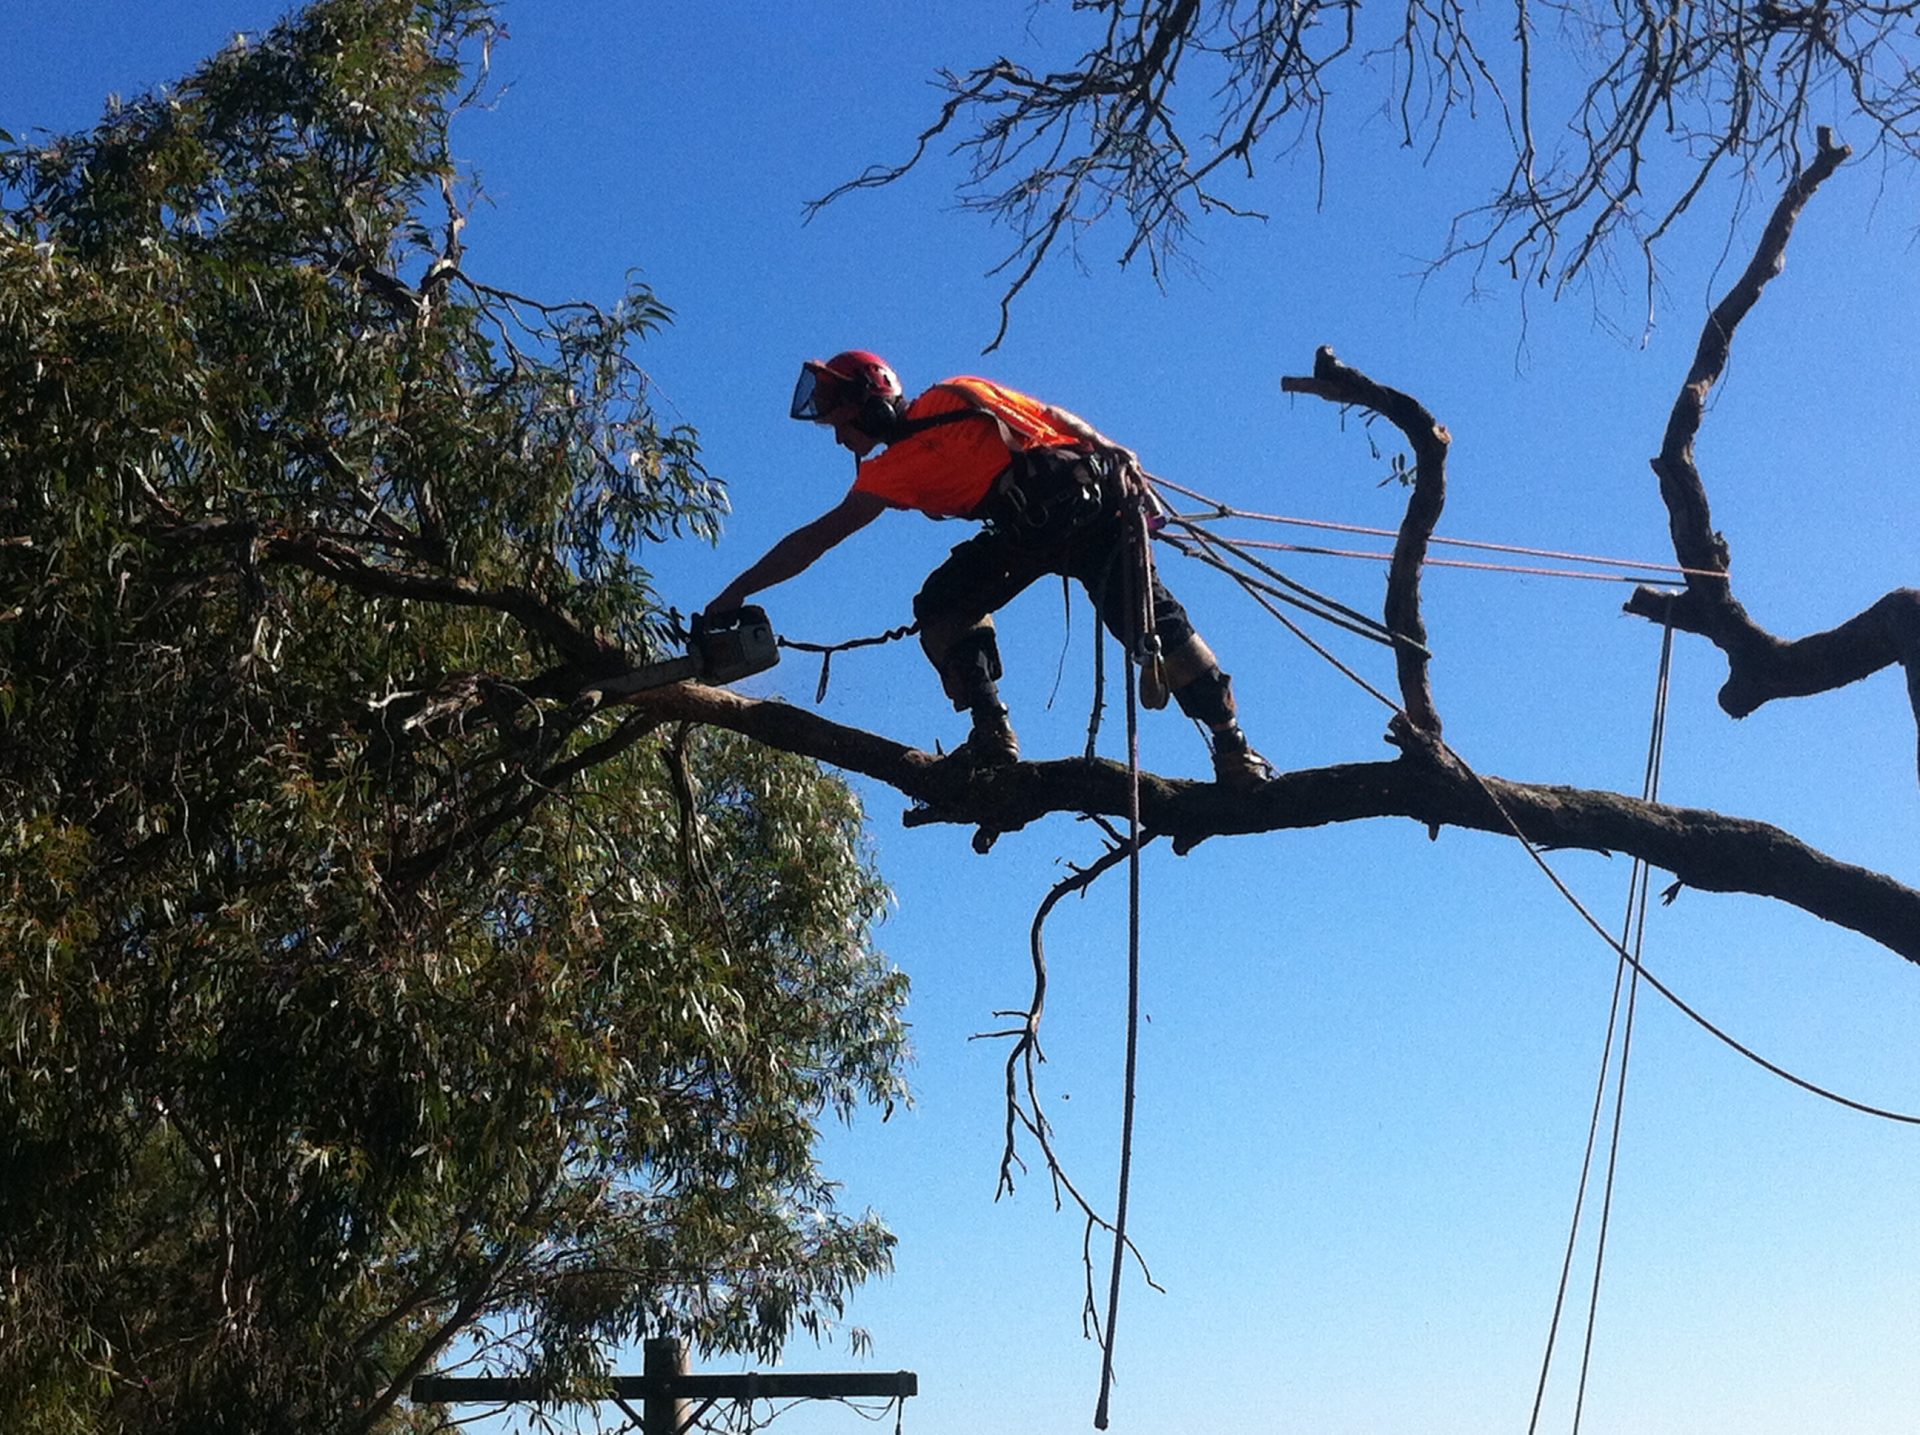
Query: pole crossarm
x,y
491,1390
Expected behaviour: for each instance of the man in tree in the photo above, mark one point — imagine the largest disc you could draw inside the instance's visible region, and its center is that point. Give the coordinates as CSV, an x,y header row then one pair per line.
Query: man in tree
x,y
1055,495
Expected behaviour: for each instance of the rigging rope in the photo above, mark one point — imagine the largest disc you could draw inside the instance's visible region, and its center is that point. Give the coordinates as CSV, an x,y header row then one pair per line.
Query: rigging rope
x,y
1641,578
1348,618
1546,868
1222,510
1321,608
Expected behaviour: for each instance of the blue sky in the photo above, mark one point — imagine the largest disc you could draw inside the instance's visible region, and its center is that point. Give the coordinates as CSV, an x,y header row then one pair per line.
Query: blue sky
x,y
1366,1073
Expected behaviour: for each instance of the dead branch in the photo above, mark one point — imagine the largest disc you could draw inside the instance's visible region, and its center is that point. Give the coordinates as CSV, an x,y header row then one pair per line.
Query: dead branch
x,y
1650,105
1338,383
1761,666
1025,1056
1024,1110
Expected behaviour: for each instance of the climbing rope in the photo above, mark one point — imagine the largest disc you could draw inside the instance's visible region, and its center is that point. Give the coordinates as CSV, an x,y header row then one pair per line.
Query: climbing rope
x,y
1143,650
1656,750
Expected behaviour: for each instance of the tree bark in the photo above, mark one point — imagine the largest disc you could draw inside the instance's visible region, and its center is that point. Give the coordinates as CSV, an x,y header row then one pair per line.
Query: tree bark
x,y
1703,849
1761,666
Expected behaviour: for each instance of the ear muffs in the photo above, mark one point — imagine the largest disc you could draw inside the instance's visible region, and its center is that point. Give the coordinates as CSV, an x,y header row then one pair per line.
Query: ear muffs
x,y
879,415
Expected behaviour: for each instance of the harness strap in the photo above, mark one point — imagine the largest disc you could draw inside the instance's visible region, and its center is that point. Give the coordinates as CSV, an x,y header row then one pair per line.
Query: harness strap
x,y
977,407
1006,490
910,427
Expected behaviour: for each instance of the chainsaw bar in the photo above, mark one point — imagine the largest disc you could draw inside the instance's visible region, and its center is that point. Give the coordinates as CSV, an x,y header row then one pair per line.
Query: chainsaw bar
x,y
722,650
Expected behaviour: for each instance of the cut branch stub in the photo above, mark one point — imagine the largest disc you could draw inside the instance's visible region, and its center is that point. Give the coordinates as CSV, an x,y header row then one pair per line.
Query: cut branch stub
x,y
1761,666
1341,384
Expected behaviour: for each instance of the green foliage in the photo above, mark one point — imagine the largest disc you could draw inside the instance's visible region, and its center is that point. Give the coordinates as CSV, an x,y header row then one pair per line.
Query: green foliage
x,y
358,990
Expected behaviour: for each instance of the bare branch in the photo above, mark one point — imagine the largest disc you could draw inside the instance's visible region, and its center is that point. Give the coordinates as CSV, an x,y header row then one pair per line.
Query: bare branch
x,y
1659,100
1340,384
1761,666
1024,1110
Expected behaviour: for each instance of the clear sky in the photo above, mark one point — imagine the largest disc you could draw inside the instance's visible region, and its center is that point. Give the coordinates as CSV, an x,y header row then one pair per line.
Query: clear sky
x,y
1369,1059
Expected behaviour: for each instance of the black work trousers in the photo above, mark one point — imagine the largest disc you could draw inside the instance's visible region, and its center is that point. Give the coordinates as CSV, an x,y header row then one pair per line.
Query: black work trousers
x,y
955,605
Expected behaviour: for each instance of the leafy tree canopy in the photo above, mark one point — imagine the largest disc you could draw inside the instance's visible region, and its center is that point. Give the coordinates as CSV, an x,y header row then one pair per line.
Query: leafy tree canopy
x,y
356,995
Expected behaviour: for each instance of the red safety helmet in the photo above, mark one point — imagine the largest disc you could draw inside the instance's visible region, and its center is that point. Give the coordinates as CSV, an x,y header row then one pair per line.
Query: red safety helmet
x,y
847,381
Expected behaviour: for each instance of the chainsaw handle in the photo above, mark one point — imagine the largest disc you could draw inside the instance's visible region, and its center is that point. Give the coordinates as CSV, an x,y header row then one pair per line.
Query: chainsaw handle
x,y
734,644
726,620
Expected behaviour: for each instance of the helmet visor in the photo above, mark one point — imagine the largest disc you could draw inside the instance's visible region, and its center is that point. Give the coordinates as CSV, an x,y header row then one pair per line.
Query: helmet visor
x,y
819,392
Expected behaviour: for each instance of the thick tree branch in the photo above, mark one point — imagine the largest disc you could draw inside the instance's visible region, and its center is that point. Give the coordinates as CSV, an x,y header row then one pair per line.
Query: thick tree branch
x,y
1761,666
1702,849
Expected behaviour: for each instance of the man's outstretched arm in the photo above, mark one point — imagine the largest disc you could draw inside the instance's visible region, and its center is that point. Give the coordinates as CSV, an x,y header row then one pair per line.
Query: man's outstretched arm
x,y
795,553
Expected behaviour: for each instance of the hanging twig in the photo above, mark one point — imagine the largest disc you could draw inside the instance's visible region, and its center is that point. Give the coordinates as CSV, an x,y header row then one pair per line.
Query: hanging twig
x,y
1024,1108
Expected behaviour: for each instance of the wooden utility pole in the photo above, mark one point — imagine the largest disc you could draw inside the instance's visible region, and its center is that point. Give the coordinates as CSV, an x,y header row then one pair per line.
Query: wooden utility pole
x,y
668,1387
665,1414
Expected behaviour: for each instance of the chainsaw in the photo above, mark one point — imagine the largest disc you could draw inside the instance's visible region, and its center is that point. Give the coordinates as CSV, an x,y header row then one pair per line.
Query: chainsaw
x,y
722,648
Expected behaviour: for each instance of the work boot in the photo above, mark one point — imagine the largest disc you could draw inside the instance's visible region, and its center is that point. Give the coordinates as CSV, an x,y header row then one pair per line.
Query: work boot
x,y
992,742
1235,764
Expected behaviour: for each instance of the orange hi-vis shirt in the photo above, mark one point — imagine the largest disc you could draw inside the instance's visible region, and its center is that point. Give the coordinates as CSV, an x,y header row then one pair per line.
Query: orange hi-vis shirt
x,y
948,471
